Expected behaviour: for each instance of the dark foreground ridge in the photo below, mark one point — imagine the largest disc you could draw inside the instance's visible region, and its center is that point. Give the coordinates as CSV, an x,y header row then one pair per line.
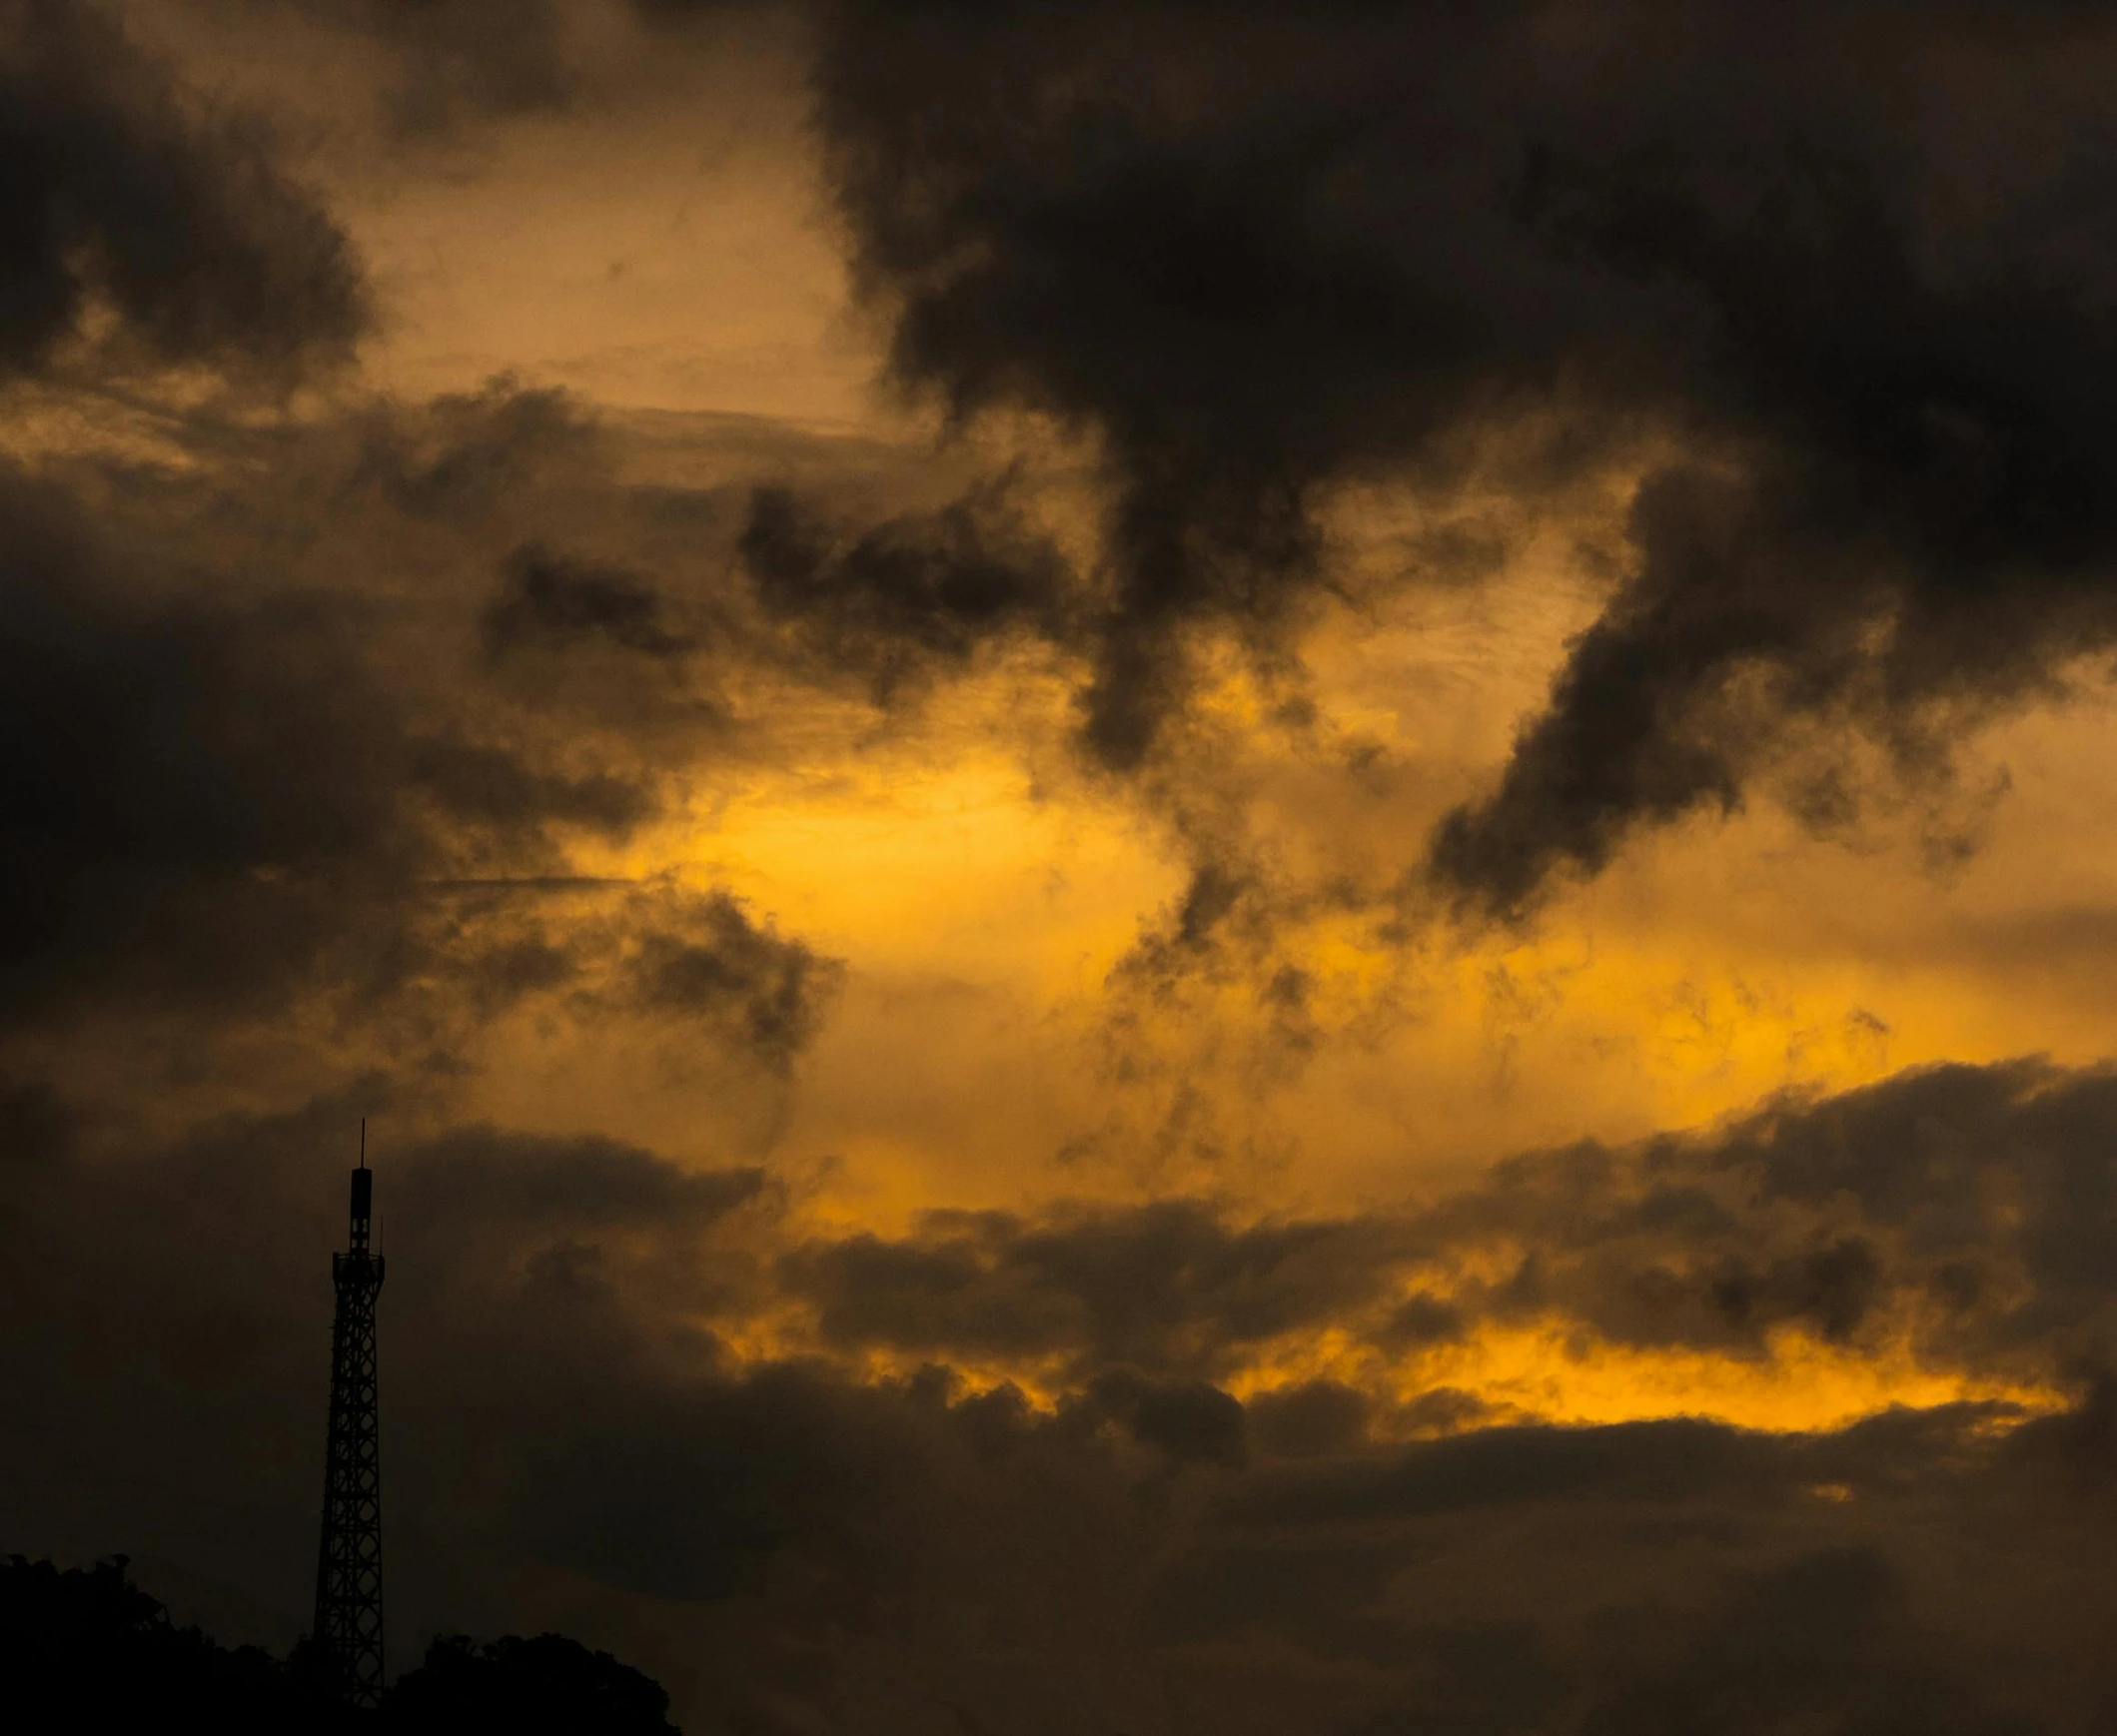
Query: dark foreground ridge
x,y
86,1650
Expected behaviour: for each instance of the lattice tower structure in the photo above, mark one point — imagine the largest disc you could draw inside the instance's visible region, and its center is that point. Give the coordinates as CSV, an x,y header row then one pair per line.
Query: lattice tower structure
x,y
349,1565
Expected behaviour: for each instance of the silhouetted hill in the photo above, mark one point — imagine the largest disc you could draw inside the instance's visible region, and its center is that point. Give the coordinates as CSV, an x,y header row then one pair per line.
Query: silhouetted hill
x,y
85,1650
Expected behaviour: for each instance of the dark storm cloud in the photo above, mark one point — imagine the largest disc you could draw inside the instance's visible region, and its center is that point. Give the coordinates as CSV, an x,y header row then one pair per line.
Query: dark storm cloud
x,y
205,795
1851,259
149,811
472,458
1193,1421
1652,1462
1695,1577
1973,1208
703,961
479,1174
699,978
892,602
275,739
568,1439
1166,1287
715,584
550,600
124,199
1969,1211
804,576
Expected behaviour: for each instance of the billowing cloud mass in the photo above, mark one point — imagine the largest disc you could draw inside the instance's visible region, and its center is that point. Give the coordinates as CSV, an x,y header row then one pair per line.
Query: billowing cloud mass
x,y
908,592
173,224
1830,278
1087,802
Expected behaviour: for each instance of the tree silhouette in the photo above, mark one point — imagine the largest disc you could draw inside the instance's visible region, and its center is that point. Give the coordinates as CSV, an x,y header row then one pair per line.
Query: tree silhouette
x,y
88,1651
85,1650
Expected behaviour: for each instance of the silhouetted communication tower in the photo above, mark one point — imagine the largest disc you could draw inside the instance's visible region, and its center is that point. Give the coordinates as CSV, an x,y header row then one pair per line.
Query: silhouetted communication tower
x,y
349,1562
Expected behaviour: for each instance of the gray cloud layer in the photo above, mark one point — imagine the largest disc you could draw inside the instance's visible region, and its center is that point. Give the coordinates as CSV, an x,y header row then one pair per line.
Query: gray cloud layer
x,y
1971,1213
780,1539
1849,258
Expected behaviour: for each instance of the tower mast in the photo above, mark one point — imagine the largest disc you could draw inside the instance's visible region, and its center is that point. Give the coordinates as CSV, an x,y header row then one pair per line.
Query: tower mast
x,y
349,1565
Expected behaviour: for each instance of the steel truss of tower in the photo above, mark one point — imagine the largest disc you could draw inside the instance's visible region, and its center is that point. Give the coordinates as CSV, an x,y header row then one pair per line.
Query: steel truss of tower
x,y
349,1568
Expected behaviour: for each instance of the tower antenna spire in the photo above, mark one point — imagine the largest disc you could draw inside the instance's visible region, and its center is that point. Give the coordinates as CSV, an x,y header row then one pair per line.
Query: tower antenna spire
x,y
349,1566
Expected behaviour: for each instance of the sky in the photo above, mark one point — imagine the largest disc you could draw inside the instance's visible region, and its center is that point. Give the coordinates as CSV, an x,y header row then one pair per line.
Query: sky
x,y
1235,867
